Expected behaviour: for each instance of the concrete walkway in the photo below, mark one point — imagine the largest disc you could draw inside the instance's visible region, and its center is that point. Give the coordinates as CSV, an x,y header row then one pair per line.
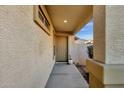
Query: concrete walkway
x,y
66,76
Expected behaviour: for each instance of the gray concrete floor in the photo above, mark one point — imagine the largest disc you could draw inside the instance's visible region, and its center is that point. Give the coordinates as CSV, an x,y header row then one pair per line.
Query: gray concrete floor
x,y
66,76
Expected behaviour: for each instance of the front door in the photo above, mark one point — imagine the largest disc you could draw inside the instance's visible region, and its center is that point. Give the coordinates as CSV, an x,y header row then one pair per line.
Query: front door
x,y
61,48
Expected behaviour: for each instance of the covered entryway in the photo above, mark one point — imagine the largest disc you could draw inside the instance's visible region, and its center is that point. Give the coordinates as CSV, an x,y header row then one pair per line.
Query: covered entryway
x,y
67,21
61,48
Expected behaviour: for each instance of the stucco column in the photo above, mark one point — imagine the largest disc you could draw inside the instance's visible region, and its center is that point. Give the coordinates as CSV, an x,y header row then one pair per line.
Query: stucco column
x,y
71,47
107,67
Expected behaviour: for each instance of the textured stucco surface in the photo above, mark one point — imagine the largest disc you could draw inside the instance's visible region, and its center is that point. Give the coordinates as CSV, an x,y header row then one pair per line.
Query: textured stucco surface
x,y
99,33
71,46
26,52
113,47
109,34
114,34
111,75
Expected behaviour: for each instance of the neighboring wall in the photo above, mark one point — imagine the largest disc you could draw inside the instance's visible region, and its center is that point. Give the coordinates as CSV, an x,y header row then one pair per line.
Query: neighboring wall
x,y
78,51
26,51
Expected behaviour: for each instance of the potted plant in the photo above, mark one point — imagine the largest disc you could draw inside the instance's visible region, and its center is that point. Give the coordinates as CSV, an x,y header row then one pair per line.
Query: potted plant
x,y
70,61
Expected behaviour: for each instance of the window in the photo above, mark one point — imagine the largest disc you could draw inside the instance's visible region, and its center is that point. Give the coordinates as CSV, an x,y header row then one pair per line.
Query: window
x,y
41,19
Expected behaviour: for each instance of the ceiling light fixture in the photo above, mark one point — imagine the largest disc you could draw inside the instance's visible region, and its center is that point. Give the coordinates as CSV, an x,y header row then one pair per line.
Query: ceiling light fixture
x,y
65,21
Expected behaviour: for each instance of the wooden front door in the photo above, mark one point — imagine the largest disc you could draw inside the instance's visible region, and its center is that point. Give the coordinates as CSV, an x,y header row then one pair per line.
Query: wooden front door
x,y
61,48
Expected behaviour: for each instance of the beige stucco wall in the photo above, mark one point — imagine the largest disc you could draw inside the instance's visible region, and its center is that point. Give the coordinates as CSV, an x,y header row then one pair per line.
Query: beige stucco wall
x,y
114,34
108,34
112,71
26,52
99,33
71,45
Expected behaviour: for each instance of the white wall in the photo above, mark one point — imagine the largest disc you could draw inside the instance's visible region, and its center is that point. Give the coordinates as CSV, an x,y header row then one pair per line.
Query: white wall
x,y
26,51
78,51
81,53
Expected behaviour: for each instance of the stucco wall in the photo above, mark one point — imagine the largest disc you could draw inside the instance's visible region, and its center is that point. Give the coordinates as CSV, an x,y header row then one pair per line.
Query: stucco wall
x,y
78,51
112,72
114,34
26,52
99,33
109,34
70,45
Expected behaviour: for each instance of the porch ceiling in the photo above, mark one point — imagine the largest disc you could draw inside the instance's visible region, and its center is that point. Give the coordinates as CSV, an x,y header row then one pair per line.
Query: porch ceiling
x,y
74,14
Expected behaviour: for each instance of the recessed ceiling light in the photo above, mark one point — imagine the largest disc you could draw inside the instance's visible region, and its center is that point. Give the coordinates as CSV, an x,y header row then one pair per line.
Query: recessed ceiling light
x,y
65,21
